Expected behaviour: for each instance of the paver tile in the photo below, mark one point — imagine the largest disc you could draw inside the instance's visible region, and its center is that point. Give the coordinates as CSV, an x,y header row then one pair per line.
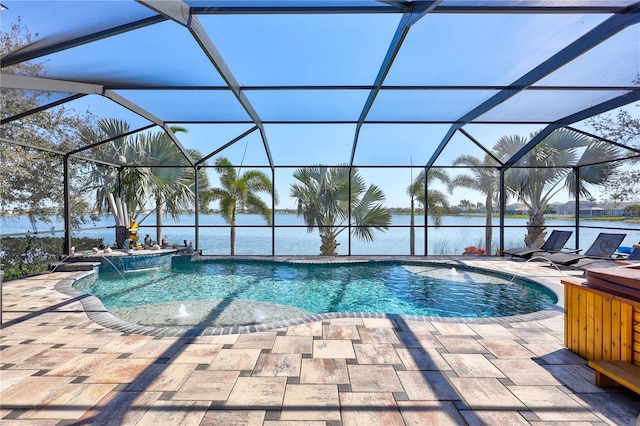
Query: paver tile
x,y
422,359
495,418
507,349
49,358
120,371
163,377
165,348
305,329
374,378
32,390
250,392
82,365
233,418
9,378
612,408
551,404
378,335
125,344
493,331
183,413
235,359
69,402
324,371
472,365
453,329
362,408
377,323
486,393
340,332
278,365
427,386
333,349
525,372
580,378
376,353
225,339
18,353
120,408
461,345
311,402
207,385
423,340
293,345
262,340
429,413
201,353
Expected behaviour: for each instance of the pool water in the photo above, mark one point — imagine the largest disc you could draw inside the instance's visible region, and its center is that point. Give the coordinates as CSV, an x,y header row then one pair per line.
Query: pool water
x,y
250,292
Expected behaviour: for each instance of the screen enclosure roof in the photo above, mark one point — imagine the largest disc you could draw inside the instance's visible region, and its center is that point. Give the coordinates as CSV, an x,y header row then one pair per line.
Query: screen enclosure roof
x,y
363,83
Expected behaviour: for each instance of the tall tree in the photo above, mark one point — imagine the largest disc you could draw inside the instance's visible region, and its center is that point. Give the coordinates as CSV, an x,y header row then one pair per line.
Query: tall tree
x,y
31,178
436,201
326,196
483,178
622,127
240,191
154,173
548,169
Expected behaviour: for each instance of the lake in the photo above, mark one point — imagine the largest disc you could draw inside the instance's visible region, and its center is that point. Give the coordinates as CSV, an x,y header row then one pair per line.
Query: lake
x,y
291,236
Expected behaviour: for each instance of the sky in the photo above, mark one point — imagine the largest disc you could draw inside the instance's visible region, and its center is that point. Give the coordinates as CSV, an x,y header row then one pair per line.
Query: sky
x,y
333,50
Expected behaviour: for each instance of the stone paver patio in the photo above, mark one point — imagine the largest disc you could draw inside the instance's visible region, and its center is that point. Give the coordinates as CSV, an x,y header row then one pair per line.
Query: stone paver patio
x,y
58,367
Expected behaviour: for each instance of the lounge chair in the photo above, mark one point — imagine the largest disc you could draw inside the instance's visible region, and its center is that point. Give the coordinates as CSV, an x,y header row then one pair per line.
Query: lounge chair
x,y
602,248
554,244
633,258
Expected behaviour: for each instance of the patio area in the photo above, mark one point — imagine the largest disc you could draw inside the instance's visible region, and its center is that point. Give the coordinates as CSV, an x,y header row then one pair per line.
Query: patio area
x,y
59,367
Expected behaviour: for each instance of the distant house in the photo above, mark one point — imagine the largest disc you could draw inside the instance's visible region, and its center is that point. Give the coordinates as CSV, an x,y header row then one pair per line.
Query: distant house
x,y
590,208
616,209
517,208
587,208
554,208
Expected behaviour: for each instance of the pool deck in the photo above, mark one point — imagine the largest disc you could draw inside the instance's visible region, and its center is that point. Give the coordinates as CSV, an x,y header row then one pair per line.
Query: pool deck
x,y
59,367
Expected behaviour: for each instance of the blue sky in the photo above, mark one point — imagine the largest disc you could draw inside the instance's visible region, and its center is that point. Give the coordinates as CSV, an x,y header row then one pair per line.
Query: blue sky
x,y
333,50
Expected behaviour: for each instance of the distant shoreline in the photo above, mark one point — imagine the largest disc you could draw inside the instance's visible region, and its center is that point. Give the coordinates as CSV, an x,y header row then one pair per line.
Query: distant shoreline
x,y
421,213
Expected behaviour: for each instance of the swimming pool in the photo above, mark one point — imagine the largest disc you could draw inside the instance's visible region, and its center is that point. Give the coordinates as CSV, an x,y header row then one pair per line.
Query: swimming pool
x,y
239,292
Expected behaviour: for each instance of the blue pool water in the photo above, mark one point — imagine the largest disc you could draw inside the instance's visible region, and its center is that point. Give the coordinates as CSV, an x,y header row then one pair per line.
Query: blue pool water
x,y
383,287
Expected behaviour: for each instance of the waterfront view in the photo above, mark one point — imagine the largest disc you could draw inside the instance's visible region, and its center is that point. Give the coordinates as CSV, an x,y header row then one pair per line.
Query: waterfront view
x,y
292,238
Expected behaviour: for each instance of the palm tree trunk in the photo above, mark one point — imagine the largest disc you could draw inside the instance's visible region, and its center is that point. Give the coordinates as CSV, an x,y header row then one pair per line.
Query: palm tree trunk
x,y
159,220
232,241
329,244
536,231
488,233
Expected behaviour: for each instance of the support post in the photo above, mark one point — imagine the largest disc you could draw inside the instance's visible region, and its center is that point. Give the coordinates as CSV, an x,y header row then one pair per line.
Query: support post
x,y
503,200
67,206
197,208
273,212
426,213
576,172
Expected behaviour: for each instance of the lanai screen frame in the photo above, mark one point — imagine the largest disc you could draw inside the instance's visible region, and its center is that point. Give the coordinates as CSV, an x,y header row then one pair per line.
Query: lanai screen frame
x,y
623,14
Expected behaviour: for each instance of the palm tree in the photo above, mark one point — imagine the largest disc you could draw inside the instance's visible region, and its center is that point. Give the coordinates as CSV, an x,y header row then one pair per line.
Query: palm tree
x,y
240,192
437,202
328,195
171,187
146,179
547,169
484,179
464,205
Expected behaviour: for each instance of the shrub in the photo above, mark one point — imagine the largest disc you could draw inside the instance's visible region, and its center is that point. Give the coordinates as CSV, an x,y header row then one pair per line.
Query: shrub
x,y
632,210
31,255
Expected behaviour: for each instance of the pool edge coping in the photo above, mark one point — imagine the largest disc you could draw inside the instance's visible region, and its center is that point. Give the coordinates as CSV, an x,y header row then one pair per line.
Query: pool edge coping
x,y
97,312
